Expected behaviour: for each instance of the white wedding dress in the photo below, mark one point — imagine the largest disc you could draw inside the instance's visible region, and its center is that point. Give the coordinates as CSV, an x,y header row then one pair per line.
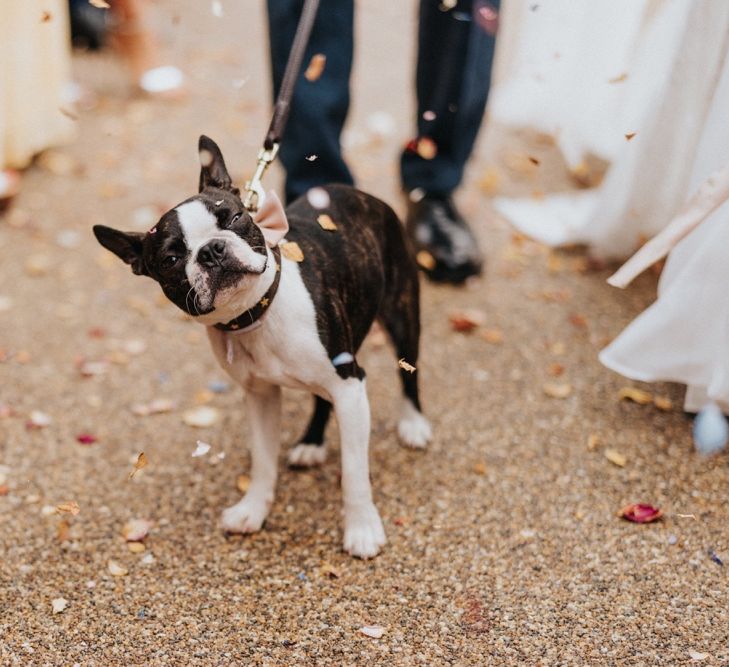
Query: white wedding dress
x,y
590,73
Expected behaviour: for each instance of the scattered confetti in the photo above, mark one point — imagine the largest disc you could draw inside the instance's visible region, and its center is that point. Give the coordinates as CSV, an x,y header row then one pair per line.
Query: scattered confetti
x,y
242,483
86,438
480,468
291,250
406,366
136,547
663,403
425,260
493,336
116,570
328,570
156,407
715,558
138,464
135,530
592,442
38,265
201,416
630,135
466,320
534,160
636,395
58,605
311,158
697,655
326,223
46,16
201,449
429,115
69,507
710,430
374,631
316,67
557,389
93,368
38,419
640,513
100,4
318,198
615,457
619,79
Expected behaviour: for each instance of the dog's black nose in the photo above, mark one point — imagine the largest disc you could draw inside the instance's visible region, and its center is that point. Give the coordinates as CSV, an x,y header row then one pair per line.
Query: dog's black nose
x,y
211,253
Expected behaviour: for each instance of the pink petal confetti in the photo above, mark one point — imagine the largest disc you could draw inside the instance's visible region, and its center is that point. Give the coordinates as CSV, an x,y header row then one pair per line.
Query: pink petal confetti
x,y
86,438
135,530
640,513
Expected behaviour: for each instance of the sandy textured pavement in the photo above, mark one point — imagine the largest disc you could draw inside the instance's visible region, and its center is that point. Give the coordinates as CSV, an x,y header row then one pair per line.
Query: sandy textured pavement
x,y
504,544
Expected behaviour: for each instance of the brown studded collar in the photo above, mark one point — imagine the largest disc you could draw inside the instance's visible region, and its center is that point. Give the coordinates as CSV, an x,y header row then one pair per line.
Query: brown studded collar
x,y
248,318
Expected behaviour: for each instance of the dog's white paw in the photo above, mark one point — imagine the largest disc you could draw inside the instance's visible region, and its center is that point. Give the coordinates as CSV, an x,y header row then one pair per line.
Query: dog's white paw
x,y
307,456
364,534
246,516
414,429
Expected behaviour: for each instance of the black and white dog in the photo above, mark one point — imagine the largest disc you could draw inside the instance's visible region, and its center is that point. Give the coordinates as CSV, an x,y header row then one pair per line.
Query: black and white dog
x,y
274,322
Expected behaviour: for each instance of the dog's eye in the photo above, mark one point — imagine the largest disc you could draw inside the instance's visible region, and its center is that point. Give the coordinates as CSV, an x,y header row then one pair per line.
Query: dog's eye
x,y
235,217
169,261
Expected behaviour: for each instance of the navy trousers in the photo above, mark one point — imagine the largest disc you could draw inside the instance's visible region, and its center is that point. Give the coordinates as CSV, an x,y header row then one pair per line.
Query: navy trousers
x,y
455,54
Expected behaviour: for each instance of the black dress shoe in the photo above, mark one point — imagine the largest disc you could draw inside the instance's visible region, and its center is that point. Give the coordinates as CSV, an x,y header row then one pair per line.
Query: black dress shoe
x,y
447,249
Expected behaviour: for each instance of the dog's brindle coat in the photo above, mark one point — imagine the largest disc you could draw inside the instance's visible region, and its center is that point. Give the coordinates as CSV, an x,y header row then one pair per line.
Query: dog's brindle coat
x,y
325,305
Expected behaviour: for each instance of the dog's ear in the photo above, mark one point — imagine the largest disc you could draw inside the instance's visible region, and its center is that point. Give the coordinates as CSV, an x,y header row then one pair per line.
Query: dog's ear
x,y
125,245
271,218
213,172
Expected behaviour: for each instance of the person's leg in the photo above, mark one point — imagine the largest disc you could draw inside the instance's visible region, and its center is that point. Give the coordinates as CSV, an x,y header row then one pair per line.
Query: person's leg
x,y
455,54
319,108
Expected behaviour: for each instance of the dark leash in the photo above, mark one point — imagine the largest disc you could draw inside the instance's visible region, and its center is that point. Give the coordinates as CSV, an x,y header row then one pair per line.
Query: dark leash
x,y
254,188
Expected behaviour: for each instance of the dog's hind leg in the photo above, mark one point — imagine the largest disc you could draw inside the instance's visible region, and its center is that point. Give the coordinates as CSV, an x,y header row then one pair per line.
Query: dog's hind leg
x,y
400,316
311,450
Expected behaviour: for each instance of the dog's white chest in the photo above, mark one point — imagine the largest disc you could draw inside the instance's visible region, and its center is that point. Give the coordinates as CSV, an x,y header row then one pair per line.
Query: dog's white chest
x,y
285,350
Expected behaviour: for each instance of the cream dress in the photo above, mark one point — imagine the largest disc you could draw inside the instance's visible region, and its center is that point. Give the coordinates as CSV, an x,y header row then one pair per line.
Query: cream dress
x,y
35,70
590,73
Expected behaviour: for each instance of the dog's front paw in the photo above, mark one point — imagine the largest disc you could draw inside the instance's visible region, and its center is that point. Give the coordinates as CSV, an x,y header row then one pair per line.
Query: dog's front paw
x,y
307,456
364,534
246,516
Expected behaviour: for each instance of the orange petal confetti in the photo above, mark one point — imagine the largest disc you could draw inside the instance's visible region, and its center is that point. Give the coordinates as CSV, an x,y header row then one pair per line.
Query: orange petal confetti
x,y
557,389
328,570
636,395
70,507
592,442
493,336
615,457
325,222
426,148
663,403
291,250
100,4
316,67
640,513
425,260
619,79
136,547
534,160
555,369
479,468
630,135
406,366
139,464
242,483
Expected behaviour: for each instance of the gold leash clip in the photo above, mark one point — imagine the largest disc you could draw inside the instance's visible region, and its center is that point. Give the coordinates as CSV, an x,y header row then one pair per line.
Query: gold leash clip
x,y
255,193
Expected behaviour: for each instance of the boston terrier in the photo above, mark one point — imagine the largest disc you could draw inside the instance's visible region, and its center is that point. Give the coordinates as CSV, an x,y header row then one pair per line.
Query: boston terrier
x,y
291,319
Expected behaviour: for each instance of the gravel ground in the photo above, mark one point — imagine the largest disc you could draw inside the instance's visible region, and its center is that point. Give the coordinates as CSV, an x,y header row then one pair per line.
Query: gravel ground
x,y
504,544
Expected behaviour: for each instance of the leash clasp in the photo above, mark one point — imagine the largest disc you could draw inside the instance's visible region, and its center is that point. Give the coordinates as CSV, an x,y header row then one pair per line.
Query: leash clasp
x,y
255,193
